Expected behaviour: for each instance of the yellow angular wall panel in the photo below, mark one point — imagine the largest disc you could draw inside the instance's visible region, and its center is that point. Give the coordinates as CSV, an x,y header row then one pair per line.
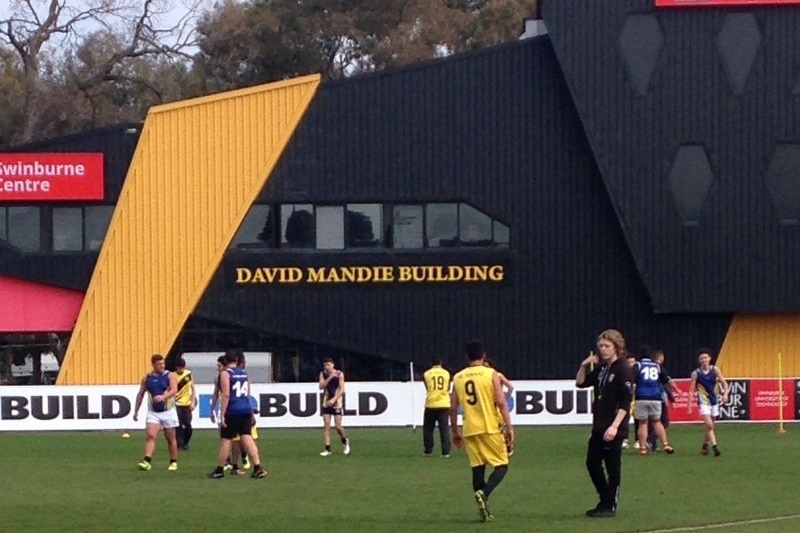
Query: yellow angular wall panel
x,y
753,342
198,167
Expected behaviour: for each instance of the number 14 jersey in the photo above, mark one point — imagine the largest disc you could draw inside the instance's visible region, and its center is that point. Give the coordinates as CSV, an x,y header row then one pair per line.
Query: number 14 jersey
x,y
239,402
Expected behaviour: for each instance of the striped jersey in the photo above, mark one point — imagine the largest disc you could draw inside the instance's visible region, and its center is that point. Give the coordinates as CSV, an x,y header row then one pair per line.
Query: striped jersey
x,y
707,386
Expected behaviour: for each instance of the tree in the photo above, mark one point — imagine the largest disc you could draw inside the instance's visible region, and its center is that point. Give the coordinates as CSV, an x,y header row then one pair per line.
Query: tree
x,y
39,32
12,92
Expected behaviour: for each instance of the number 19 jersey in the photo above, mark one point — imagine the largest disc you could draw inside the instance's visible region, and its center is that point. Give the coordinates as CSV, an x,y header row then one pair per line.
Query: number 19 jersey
x,y
437,385
475,391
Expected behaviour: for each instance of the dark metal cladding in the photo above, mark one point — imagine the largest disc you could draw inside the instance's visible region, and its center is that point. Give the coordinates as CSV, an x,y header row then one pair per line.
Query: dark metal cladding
x,y
499,130
692,115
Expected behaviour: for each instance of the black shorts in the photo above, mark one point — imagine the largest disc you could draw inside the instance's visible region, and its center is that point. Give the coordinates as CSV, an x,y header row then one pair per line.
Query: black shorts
x,y
332,410
236,425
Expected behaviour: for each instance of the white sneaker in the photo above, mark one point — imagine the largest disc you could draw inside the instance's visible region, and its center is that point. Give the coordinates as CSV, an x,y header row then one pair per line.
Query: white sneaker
x,y
346,449
636,445
624,445
325,453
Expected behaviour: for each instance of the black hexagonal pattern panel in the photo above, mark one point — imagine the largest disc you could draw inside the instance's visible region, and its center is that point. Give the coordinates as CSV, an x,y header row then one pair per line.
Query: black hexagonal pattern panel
x,y
689,181
694,151
738,42
640,43
783,182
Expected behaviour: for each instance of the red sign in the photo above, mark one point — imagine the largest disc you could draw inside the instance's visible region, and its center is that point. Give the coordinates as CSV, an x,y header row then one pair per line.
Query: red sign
x,y
766,398
51,177
693,3
759,400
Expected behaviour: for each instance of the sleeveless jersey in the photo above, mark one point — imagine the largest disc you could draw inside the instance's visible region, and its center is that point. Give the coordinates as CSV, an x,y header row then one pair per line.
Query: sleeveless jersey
x,y
648,380
157,384
475,391
707,386
239,401
437,385
331,387
183,398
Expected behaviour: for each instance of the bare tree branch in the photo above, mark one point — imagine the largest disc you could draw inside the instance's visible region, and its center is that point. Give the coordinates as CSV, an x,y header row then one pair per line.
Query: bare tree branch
x,y
31,28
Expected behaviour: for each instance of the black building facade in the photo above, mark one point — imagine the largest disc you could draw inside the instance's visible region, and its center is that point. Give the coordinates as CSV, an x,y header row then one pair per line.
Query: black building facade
x,y
634,168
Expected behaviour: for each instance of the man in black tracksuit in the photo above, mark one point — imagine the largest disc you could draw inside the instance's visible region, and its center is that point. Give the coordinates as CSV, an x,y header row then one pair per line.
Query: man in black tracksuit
x,y
611,377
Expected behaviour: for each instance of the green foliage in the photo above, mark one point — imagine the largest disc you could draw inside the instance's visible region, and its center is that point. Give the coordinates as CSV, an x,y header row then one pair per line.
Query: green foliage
x,y
114,74
89,482
243,43
12,91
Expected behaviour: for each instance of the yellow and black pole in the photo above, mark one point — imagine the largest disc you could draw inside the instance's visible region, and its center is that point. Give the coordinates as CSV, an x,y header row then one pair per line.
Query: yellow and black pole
x,y
781,428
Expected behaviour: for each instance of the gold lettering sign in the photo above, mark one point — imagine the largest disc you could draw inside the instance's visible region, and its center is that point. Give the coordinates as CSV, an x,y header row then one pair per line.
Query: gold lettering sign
x,y
406,274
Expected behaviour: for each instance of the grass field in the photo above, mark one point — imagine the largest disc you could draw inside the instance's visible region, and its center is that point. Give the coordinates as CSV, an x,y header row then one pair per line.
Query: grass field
x,y
89,482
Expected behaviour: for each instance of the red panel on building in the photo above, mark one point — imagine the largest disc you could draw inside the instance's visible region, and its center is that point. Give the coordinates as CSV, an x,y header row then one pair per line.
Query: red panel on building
x,y
30,307
695,3
46,177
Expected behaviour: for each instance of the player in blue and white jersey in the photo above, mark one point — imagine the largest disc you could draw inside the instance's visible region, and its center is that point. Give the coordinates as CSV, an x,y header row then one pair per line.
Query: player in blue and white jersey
x,y
705,379
331,383
649,387
161,386
236,416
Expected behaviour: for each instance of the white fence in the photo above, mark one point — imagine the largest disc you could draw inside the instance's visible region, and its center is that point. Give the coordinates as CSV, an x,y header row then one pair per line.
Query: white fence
x,y
281,405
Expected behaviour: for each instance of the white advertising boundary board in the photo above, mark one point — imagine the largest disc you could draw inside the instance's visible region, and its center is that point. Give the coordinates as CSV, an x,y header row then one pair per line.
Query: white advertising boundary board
x,y
281,405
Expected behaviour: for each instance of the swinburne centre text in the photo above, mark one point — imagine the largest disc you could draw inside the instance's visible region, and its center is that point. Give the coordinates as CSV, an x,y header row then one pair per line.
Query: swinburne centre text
x,y
372,274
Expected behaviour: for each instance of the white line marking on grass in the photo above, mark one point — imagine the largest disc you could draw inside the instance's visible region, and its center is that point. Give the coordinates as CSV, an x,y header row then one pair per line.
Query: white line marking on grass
x,y
725,524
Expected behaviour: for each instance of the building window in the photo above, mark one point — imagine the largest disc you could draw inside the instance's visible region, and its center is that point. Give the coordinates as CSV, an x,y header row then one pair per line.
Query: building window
x,y
475,227
96,221
441,224
364,225
257,229
67,229
369,225
501,234
330,227
297,225
24,230
407,226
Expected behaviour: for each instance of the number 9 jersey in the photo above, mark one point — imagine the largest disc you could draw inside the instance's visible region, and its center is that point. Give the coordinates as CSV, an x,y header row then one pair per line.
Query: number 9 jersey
x,y
475,391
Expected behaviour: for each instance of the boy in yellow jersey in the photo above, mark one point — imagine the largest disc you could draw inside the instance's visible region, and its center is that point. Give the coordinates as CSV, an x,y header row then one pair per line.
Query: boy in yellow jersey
x,y
479,392
437,407
185,401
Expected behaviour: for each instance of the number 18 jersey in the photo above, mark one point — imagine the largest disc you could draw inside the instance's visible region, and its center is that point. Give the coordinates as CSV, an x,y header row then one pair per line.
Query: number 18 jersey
x,y
475,391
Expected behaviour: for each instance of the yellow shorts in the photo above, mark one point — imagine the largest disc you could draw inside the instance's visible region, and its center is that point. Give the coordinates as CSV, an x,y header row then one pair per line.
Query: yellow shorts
x,y
253,433
486,449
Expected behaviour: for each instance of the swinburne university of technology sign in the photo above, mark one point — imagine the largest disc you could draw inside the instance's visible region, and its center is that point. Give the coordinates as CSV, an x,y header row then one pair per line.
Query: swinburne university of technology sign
x,y
46,177
698,3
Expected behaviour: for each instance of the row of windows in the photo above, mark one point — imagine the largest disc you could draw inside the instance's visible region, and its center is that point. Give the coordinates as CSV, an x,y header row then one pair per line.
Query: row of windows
x,y
324,227
58,229
336,227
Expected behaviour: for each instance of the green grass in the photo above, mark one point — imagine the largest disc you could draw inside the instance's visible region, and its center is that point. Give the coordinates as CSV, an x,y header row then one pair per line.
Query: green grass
x,y
89,482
